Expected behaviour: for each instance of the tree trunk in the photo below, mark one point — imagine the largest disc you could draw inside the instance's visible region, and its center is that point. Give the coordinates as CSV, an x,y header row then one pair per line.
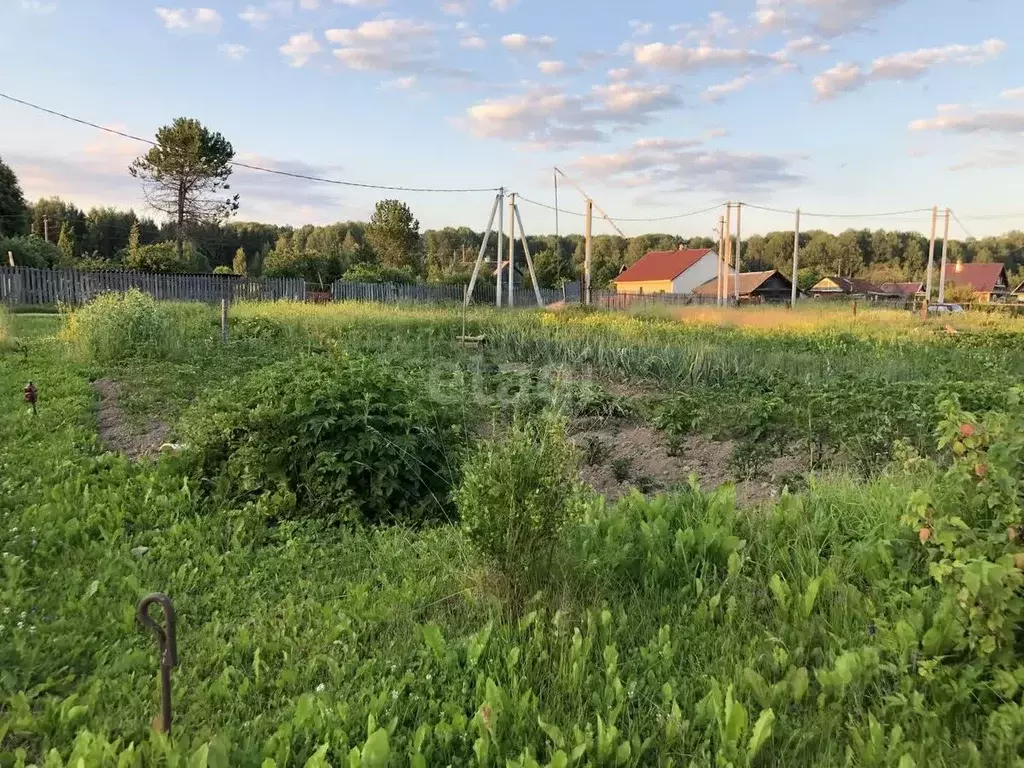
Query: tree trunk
x,y
180,239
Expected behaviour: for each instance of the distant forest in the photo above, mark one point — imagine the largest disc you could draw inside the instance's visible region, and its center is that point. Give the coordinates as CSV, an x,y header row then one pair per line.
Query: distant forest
x,y
102,238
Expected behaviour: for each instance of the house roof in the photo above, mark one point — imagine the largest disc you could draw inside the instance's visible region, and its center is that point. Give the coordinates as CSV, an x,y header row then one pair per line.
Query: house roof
x,y
749,282
903,289
662,265
849,285
981,278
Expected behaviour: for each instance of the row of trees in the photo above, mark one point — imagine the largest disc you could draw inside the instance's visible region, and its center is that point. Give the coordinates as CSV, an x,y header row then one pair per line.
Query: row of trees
x,y
185,178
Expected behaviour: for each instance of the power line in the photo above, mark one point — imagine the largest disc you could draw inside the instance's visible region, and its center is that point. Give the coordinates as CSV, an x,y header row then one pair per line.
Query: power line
x,y
965,229
249,166
619,218
838,215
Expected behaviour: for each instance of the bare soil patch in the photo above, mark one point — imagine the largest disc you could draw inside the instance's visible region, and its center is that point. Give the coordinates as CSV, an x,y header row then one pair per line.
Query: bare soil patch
x,y
618,457
117,434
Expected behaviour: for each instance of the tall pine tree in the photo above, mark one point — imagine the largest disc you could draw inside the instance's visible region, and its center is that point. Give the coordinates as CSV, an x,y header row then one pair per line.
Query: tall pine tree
x,y
66,243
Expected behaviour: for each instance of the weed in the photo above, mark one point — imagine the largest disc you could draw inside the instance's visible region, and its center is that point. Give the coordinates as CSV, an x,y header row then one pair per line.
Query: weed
x,y
594,451
622,467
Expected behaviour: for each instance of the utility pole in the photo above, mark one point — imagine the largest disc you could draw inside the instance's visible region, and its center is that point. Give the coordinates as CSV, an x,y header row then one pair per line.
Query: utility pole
x,y
796,258
501,234
588,250
728,254
739,252
46,228
720,289
931,257
942,271
511,247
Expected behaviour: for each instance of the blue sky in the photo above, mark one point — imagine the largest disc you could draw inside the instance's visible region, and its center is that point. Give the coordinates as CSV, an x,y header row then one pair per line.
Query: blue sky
x,y
656,108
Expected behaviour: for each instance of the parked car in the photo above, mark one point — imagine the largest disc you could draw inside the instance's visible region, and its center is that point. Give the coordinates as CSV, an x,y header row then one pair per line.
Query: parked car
x,y
941,309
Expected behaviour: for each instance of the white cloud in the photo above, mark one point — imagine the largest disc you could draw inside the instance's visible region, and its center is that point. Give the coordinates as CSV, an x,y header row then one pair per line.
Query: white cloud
x,y
473,42
908,65
552,67
681,58
620,73
996,159
1013,93
641,28
805,45
233,50
829,18
552,118
455,7
197,20
518,42
687,165
37,6
503,5
404,83
362,3
257,17
300,49
386,45
309,5
380,31
720,91
956,119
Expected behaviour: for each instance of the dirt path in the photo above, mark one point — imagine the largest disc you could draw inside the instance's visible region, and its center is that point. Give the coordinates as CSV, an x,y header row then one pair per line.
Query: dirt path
x,y
117,434
618,457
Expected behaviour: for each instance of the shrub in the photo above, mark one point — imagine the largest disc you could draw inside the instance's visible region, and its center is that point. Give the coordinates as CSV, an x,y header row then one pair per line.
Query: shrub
x,y
163,257
5,324
30,251
348,438
517,493
121,326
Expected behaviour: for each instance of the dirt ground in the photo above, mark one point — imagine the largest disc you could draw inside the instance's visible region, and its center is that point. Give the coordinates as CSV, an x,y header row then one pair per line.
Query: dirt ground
x,y
117,433
618,457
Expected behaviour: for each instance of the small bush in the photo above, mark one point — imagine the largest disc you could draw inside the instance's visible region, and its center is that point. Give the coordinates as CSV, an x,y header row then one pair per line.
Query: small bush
x,y
30,251
516,495
350,439
114,327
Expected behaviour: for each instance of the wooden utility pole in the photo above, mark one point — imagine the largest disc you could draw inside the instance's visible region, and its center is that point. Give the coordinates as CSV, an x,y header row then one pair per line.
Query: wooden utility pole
x,y
501,234
942,271
796,258
739,252
931,257
46,228
511,247
719,288
588,250
728,254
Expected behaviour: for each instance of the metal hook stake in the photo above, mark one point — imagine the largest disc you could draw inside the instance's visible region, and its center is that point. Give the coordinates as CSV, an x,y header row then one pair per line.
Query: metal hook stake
x,y
168,648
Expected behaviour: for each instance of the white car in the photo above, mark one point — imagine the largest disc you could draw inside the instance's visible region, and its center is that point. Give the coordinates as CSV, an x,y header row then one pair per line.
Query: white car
x,y
946,308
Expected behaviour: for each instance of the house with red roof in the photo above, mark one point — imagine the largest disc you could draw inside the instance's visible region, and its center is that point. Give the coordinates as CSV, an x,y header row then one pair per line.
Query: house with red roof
x,y
679,271
988,282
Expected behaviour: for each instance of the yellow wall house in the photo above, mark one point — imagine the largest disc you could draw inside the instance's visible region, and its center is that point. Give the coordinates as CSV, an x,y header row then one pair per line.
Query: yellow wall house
x,y
680,271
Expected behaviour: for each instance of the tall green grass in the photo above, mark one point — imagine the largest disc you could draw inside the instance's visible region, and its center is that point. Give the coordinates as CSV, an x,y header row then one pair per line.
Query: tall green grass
x,y
5,325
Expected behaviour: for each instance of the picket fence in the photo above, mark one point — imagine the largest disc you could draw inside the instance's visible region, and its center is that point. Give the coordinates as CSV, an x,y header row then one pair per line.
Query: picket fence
x,y
397,293
25,285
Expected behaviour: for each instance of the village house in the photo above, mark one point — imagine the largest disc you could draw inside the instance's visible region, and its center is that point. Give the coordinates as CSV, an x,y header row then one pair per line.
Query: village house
x,y
906,291
850,288
680,271
755,287
988,282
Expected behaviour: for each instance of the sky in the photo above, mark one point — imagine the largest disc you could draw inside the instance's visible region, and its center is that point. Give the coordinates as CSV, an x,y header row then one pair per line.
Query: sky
x,y
654,108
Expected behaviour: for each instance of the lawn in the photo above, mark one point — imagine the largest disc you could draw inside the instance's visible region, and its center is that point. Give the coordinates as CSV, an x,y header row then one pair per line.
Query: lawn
x,y
754,537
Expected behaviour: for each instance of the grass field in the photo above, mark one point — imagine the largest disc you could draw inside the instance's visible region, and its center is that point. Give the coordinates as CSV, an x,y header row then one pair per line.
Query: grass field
x,y
753,537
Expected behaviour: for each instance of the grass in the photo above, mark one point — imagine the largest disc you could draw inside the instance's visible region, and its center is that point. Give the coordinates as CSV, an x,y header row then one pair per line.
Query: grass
x,y
669,631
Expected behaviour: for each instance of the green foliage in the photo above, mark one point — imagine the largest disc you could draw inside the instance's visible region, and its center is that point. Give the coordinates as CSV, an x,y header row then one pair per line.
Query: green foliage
x,y
115,327
222,271
394,235
517,494
66,244
30,251
163,257
349,439
379,273
5,325
13,209
240,264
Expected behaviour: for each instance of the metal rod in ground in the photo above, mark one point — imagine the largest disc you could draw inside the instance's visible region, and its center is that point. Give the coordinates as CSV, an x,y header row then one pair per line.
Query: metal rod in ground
x,y
796,258
224,321
588,250
942,271
931,256
511,248
529,260
739,251
501,235
483,249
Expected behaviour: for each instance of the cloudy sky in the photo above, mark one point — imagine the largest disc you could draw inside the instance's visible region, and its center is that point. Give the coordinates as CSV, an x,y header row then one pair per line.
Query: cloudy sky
x,y
655,107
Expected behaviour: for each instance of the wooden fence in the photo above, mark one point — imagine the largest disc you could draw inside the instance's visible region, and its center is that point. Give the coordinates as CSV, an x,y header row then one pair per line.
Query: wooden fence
x,y
395,293
24,285
613,300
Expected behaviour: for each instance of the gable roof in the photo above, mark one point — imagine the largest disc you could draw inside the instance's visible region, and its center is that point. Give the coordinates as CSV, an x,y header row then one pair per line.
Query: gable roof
x,y
903,289
662,265
981,278
749,282
848,285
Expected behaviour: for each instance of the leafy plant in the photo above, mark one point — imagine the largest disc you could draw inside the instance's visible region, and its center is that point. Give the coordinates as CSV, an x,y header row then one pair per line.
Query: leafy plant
x,y
517,493
348,438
